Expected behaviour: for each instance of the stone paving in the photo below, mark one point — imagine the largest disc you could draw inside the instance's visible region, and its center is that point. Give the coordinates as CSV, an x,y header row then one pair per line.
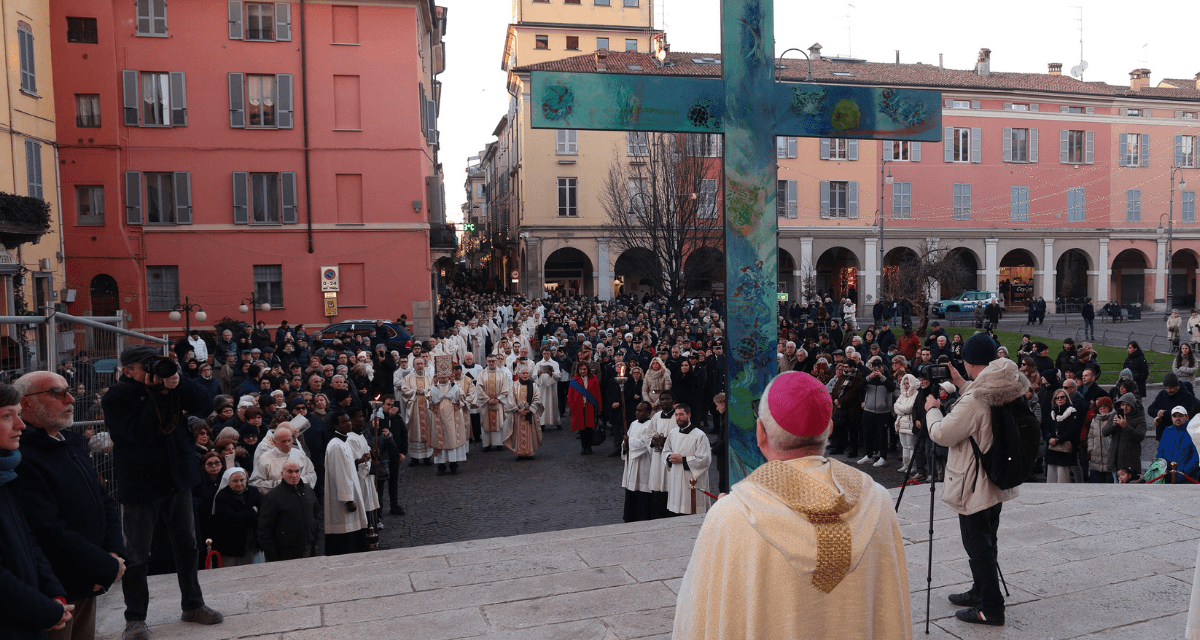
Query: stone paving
x,y
1081,561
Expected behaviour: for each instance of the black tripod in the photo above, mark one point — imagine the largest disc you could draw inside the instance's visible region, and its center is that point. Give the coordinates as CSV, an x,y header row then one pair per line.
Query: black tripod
x,y
932,464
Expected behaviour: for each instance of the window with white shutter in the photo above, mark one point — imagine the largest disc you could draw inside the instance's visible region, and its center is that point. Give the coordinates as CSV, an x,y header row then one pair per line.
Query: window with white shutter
x,y
637,144
567,143
1076,204
152,18
901,200
1188,208
707,207
962,201
1133,205
1019,204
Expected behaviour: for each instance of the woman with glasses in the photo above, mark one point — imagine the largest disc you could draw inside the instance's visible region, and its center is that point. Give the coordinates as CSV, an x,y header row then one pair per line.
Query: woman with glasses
x,y
1062,435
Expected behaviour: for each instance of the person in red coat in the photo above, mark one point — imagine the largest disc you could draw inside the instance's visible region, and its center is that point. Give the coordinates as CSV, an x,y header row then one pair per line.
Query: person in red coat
x,y
583,398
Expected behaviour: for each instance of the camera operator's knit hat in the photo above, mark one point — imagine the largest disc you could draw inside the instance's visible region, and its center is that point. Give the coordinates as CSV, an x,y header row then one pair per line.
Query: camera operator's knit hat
x,y
796,403
137,353
979,350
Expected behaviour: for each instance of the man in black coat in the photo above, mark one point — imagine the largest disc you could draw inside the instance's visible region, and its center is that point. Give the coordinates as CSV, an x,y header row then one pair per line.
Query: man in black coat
x,y
288,517
155,463
73,519
1089,319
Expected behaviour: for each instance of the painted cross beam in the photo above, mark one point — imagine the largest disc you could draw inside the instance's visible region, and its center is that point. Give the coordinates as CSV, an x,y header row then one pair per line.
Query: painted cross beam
x,y
750,108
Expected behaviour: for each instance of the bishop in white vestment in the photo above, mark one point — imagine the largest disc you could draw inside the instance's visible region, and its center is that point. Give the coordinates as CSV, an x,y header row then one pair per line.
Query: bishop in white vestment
x,y
494,389
804,547
417,412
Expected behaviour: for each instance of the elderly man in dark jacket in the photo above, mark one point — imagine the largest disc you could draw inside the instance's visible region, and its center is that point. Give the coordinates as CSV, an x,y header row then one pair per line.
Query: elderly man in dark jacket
x,y
75,522
287,521
156,469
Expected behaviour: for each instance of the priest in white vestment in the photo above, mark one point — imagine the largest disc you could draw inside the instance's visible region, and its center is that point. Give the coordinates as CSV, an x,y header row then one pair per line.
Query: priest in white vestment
x,y
688,456
635,451
804,547
494,394
661,424
417,413
359,448
525,433
345,508
449,437
269,459
548,374
476,339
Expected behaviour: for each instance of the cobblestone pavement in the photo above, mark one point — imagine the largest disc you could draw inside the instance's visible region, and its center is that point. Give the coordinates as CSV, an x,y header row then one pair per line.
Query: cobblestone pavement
x,y
495,495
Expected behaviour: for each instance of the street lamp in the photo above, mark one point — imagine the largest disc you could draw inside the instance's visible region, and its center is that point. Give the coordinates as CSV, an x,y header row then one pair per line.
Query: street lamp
x,y
253,303
885,178
186,308
1171,230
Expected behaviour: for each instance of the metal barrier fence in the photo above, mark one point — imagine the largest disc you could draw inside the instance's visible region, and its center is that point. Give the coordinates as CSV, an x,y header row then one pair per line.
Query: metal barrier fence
x,y
85,351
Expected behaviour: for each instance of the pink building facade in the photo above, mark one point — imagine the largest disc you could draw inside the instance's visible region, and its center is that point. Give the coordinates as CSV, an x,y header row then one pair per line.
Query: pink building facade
x,y
223,150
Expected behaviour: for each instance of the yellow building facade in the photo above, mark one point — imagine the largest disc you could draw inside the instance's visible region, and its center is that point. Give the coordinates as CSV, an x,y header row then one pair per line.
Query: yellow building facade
x,y
31,267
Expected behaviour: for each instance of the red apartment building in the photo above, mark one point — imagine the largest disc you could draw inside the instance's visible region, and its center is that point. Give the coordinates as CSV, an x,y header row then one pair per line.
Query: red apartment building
x,y
217,150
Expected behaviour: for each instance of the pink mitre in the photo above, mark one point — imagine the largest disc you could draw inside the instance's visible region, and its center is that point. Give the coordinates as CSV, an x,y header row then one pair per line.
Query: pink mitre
x,y
796,403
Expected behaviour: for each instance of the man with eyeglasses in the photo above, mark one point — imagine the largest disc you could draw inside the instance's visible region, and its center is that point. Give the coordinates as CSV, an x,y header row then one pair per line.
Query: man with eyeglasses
x,y
155,471
74,521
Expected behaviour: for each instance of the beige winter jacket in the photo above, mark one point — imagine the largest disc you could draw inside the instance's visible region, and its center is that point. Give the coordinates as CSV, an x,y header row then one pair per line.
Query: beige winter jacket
x,y
968,489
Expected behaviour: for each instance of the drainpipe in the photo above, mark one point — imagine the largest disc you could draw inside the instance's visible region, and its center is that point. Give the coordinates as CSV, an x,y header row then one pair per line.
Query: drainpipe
x,y
304,100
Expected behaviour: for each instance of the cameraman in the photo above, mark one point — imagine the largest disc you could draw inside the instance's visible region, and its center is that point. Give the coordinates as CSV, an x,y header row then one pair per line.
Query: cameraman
x,y
155,472
968,490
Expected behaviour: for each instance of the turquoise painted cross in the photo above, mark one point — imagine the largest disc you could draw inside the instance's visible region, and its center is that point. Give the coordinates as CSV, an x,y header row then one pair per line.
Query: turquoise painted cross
x,y
750,108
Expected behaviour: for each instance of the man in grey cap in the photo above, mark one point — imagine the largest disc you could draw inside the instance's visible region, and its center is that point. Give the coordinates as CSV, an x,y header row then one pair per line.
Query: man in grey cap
x,y
155,472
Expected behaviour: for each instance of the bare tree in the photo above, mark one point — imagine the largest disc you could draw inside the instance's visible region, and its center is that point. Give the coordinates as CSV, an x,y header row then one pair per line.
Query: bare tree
x,y
921,273
808,281
664,211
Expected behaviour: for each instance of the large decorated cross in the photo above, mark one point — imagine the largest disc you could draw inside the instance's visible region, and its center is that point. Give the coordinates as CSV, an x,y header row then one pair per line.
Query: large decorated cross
x,y
750,108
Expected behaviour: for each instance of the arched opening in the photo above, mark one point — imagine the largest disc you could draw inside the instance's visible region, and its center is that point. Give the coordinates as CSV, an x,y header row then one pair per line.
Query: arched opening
x,y
786,281
1183,279
970,274
568,272
105,295
1071,281
1016,278
894,268
704,272
634,272
1128,284
837,274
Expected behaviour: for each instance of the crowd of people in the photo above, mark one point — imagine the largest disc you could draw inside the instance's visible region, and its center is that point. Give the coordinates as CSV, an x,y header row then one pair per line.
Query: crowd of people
x,y
274,444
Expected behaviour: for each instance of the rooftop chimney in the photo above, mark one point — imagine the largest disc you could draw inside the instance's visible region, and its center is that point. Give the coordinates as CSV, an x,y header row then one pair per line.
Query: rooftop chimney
x,y
1198,81
602,60
983,66
897,57
1056,68
940,66
1139,79
814,52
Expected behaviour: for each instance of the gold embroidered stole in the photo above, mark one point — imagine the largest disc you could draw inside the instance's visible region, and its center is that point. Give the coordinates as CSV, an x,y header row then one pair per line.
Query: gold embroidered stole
x,y
821,506
491,387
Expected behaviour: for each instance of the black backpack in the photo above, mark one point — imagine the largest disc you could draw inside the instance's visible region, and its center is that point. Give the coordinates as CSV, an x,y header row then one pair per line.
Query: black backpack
x,y
1016,437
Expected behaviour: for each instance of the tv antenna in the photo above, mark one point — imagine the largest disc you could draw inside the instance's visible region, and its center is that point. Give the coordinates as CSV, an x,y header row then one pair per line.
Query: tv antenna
x,y
1077,70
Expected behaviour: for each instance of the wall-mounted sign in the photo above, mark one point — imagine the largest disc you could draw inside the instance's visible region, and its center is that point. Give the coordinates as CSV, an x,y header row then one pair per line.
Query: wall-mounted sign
x,y
329,279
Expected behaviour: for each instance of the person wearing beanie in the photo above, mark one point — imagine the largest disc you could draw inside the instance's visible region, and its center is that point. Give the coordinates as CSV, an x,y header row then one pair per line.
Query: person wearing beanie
x,y
969,492
765,564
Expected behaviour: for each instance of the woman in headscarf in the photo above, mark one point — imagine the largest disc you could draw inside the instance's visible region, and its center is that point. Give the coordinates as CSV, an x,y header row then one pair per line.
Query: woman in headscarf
x,y
235,519
657,380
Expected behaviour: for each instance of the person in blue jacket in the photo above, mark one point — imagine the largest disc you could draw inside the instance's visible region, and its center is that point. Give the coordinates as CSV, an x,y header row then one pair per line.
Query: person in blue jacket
x,y
33,600
1176,445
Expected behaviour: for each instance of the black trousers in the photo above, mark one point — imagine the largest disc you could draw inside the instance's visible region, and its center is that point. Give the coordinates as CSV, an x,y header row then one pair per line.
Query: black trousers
x,y
875,433
476,429
585,438
979,540
393,478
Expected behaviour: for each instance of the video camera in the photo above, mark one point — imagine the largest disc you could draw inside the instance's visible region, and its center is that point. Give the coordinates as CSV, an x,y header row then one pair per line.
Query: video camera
x,y
937,373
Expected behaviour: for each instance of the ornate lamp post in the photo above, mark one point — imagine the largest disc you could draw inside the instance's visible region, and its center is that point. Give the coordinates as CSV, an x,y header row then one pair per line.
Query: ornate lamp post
x,y
253,303
182,311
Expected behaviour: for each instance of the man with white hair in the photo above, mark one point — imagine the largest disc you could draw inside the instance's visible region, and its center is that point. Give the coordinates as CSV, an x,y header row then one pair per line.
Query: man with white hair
x,y
495,390
277,448
803,547
418,414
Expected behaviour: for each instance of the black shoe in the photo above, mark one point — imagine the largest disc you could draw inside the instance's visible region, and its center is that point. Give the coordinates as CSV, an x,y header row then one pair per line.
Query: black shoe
x,y
441,470
453,468
967,599
414,462
427,461
203,615
977,616
853,453
396,510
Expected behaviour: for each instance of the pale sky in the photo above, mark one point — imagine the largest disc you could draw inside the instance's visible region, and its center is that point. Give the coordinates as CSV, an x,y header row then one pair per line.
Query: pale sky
x,y
1024,35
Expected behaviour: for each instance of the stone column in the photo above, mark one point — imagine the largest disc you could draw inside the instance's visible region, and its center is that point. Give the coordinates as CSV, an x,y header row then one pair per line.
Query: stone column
x,y
871,271
1160,275
1103,274
532,278
991,266
1048,273
806,262
604,282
